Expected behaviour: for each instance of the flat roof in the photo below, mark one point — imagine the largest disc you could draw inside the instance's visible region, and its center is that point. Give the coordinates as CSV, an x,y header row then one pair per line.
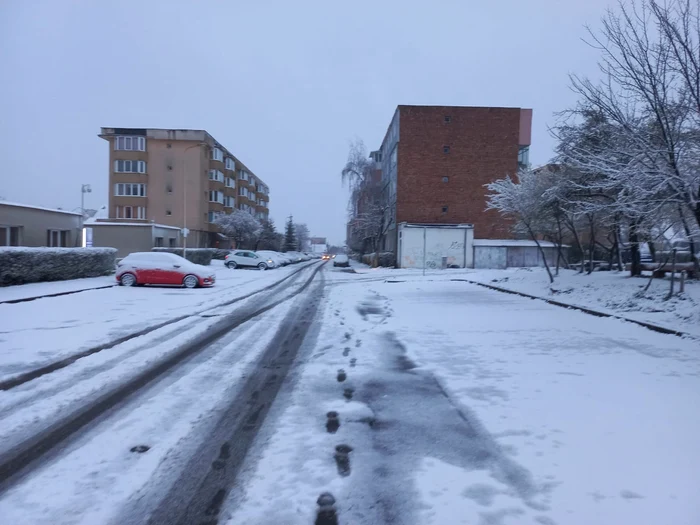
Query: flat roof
x,y
149,224
513,242
19,205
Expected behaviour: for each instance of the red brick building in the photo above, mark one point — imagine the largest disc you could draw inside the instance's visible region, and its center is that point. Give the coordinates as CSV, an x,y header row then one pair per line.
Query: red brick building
x,y
435,161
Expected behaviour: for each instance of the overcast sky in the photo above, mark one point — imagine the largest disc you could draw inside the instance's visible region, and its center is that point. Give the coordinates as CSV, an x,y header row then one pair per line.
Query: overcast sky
x,y
284,85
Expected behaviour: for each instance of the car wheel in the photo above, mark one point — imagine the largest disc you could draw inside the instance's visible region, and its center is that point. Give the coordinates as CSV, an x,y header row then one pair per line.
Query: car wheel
x,y
262,266
231,265
127,279
190,281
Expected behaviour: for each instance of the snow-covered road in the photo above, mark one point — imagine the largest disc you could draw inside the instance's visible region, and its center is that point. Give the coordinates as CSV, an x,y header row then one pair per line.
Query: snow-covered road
x,y
485,408
458,405
35,333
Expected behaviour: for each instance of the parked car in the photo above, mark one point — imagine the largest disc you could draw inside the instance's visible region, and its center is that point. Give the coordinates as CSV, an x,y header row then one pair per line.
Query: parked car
x,y
272,256
341,260
294,256
283,257
141,268
247,259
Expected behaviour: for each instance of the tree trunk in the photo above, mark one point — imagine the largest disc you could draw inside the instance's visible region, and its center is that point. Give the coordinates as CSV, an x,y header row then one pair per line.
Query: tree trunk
x,y
577,240
673,275
539,248
591,244
691,242
618,243
635,267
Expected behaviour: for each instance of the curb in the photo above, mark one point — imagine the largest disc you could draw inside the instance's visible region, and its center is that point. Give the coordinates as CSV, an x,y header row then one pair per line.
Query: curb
x,y
58,294
590,311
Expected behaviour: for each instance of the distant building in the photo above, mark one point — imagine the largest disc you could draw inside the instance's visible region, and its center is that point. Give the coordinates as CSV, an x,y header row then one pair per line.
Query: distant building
x,y
436,160
177,179
318,244
34,226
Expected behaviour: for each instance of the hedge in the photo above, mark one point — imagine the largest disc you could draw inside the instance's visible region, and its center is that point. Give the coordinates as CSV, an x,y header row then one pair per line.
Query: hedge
x,y
195,255
20,265
386,259
220,254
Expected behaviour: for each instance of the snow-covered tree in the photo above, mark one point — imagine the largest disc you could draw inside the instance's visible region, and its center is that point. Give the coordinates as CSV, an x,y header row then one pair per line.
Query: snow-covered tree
x,y
240,226
268,238
522,200
301,230
290,239
650,99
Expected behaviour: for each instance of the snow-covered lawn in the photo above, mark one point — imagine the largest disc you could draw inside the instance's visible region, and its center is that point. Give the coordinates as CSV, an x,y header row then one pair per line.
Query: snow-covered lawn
x,y
485,408
39,332
24,291
611,292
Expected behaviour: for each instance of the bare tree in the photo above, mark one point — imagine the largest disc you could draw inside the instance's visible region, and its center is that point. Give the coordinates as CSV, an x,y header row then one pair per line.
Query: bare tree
x,y
650,59
375,216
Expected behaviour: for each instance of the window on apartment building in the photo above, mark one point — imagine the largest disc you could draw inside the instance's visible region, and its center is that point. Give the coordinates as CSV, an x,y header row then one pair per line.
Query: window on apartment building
x,y
444,209
130,143
217,154
129,190
129,166
216,175
168,188
448,119
213,215
445,179
159,242
230,164
229,202
523,156
168,145
9,235
216,196
243,192
57,238
168,213
172,242
243,175
131,212
445,149
230,183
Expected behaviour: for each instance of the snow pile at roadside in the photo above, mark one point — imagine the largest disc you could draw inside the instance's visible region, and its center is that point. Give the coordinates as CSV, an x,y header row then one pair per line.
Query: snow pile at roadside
x,y
610,292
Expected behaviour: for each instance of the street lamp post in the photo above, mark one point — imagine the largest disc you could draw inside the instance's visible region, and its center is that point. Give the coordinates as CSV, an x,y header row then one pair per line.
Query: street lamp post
x,y
85,188
185,231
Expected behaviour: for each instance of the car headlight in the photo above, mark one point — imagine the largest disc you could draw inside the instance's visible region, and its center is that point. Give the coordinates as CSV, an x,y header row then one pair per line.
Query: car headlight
x,y
270,261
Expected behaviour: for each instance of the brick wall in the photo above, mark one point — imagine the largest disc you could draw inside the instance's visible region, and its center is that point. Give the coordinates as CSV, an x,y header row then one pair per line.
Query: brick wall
x,y
483,146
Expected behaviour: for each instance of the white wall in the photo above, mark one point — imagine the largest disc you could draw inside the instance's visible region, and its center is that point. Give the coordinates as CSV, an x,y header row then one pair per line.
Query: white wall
x,y
453,243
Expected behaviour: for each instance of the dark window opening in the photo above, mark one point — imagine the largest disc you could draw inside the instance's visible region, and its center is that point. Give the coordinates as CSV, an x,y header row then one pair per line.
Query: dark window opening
x,y
169,146
444,209
159,242
168,212
445,149
172,242
448,119
445,179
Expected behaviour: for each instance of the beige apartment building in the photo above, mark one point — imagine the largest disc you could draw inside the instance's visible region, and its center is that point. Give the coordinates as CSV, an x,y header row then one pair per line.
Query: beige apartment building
x,y
179,178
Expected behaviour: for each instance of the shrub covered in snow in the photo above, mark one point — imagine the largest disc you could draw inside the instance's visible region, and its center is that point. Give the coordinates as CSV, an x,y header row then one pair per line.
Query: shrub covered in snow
x,y
195,255
386,259
20,265
220,254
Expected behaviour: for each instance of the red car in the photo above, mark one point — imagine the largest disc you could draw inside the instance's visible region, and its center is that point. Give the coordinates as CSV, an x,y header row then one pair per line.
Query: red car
x,y
162,268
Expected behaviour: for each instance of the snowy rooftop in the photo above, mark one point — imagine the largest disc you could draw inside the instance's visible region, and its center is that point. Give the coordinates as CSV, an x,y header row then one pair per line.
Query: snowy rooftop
x,y
19,205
